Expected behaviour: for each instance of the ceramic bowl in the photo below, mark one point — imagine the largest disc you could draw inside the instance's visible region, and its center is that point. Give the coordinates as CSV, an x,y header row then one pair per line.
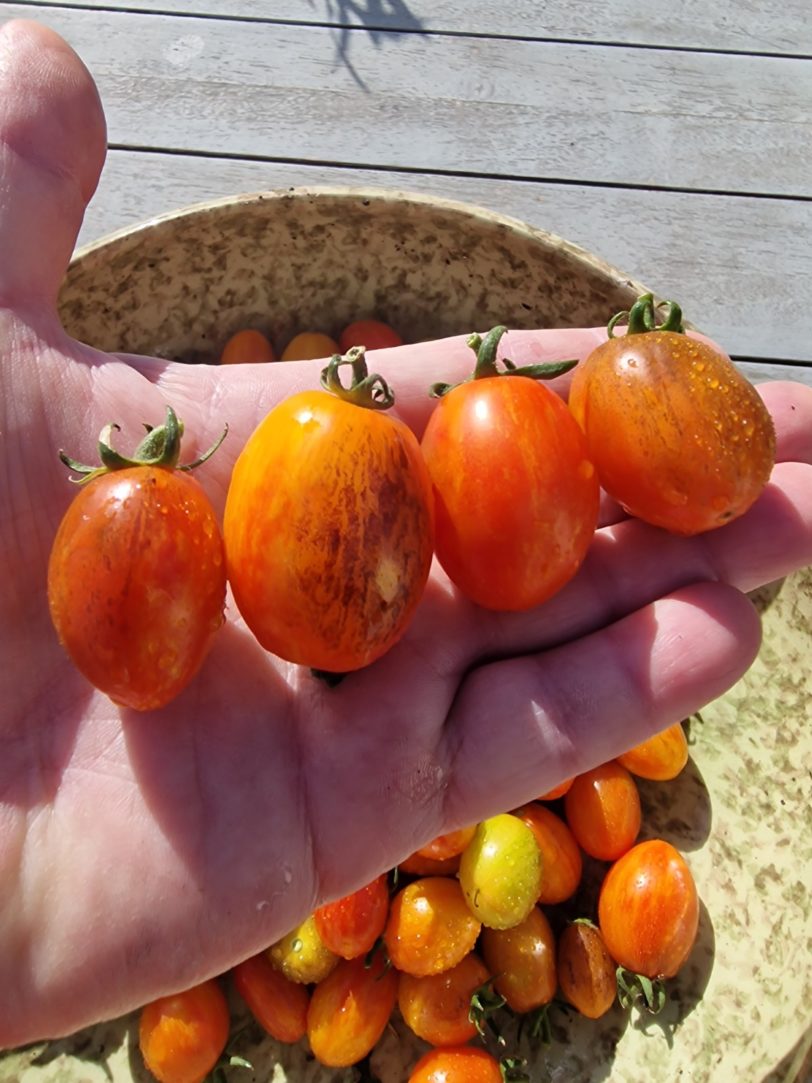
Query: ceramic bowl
x,y
285,261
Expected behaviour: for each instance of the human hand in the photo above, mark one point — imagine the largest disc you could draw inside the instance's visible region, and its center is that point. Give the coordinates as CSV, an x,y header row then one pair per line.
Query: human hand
x,y
142,853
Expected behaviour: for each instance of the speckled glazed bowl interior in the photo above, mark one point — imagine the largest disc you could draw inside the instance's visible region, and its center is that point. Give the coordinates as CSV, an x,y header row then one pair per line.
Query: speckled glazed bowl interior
x,y
740,1010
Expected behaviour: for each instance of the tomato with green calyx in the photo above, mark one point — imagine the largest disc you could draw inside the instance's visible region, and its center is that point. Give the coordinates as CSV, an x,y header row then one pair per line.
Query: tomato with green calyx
x,y
328,524
278,1004
302,956
603,811
586,970
430,927
679,437
648,910
349,1010
136,576
659,758
350,926
500,871
437,1007
182,1036
516,495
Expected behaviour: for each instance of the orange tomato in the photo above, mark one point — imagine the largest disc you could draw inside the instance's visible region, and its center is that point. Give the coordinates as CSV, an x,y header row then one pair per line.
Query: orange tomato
x,y
586,970
461,1064
417,865
301,955
449,845
648,910
373,334
437,1006
522,962
278,1004
556,791
350,926
182,1036
247,346
561,861
661,757
349,1010
603,811
309,345
430,927
328,528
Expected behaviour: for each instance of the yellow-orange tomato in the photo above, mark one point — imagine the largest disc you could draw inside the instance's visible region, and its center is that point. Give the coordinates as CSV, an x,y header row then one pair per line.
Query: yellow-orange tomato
x,y
247,346
430,927
278,1004
328,531
678,436
309,345
349,1010
437,1006
522,961
603,811
557,791
561,861
586,970
183,1035
648,910
302,956
661,757
449,845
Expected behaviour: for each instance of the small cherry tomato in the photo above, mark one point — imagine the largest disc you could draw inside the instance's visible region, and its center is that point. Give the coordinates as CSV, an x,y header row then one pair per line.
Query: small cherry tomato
x,y
373,334
350,926
603,811
278,1004
586,970
302,955
500,871
556,791
430,927
464,1064
182,1036
437,1006
661,757
561,861
247,346
522,962
516,497
417,865
648,910
308,346
679,437
328,525
450,845
349,1010
136,577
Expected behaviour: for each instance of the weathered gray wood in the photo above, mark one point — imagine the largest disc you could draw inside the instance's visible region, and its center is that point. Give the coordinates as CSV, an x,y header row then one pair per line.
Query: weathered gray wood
x,y
741,267
771,26
525,109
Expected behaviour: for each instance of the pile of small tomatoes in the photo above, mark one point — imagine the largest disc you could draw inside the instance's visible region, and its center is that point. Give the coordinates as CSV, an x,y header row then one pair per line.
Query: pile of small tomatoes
x,y
503,489
493,920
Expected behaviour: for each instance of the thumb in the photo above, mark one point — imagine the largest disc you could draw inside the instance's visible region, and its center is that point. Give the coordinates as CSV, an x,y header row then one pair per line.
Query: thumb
x,y
52,147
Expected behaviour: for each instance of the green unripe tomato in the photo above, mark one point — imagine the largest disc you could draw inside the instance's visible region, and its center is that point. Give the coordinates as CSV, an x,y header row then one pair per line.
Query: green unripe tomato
x,y
500,871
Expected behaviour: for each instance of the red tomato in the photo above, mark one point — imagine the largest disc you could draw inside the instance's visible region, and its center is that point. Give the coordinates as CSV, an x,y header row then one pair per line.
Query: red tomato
x,y
450,845
136,579
328,528
556,791
522,962
278,1004
464,1064
350,926
561,861
603,811
309,345
516,496
648,910
247,346
586,971
182,1036
373,334
679,437
661,757
437,1006
430,928
349,1010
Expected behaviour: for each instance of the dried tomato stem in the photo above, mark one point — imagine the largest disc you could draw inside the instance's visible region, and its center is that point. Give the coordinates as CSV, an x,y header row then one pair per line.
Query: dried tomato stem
x,y
366,389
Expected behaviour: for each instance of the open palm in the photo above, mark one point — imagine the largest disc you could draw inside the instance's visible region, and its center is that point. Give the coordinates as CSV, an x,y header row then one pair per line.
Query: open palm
x,y
141,853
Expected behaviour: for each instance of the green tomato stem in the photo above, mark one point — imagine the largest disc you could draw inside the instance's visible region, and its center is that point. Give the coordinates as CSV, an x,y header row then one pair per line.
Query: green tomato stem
x,y
642,317
370,391
486,364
